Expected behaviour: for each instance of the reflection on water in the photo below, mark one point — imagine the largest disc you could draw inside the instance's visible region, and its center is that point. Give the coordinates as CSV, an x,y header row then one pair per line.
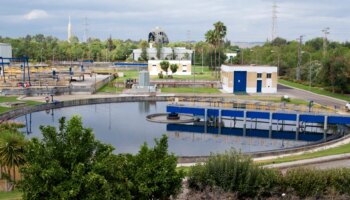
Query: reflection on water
x,y
124,126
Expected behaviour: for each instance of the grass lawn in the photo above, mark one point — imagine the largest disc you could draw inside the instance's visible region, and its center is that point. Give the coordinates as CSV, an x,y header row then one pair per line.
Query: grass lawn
x,y
315,90
110,88
328,152
190,90
206,75
132,74
14,195
14,99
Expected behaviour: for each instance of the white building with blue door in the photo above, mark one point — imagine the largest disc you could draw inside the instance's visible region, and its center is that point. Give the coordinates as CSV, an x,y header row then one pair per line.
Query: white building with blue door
x,y
249,79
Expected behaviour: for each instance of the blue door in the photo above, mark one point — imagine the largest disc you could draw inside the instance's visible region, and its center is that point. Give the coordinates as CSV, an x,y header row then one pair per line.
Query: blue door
x,y
240,82
258,86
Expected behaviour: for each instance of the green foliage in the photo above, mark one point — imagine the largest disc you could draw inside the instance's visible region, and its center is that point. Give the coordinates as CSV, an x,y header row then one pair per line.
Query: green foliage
x,y
153,172
11,151
284,99
144,55
164,65
10,127
159,50
236,173
279,42
160,75
12,148
306,182
173,68
71,164
233,172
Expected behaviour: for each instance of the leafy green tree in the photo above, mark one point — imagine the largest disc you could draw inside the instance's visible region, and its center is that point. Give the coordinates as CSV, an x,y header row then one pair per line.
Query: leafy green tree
x,y
279,42
110,44
71,164
159,50
153,172
144,45
173,68
164,65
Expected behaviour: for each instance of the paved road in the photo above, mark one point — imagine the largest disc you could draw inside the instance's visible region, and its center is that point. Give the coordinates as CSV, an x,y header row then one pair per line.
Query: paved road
x,y
301,94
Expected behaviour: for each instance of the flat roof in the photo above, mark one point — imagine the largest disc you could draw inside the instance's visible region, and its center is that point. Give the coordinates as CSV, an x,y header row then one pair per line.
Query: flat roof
x,y
235,65
249,68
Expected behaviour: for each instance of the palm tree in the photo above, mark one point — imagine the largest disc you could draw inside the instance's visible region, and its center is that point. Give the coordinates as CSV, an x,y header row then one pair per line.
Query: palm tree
x,y
220,33
12,151
211,39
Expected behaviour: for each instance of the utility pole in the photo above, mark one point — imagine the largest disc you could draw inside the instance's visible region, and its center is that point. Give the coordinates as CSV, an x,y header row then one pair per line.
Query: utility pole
x,y
326,32
299,57
202,59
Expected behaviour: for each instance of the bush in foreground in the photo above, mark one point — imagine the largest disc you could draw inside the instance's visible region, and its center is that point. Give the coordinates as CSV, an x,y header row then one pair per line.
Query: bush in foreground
x,y
233,172
71,164
236,173
308,182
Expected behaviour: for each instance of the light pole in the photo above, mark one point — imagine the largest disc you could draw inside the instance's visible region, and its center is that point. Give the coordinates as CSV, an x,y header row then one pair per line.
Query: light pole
x,y
53,56
302,52
202,59
252,51
41,57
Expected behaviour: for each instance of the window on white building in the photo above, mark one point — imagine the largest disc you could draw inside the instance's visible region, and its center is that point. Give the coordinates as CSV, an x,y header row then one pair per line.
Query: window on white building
x,y
268,75
184,68
259,75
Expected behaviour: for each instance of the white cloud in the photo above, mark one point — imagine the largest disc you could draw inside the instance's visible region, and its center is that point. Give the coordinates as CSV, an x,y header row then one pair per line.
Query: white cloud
x,y
36,14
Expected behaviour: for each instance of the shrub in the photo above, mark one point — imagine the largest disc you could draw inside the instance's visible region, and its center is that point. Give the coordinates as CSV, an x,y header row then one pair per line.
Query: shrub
x,y
160,75
285,98
153,172
339,179
306,182
234,172
315,183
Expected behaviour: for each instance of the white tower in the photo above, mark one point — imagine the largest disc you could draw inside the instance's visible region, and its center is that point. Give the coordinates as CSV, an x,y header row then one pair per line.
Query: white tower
x,y
274,21
69,31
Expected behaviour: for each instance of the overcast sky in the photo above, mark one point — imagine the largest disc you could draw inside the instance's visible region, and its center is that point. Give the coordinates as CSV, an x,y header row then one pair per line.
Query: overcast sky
x,y
246,20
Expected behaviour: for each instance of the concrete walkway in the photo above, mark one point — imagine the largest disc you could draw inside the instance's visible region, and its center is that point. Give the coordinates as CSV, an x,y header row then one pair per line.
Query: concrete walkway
x,y
316,162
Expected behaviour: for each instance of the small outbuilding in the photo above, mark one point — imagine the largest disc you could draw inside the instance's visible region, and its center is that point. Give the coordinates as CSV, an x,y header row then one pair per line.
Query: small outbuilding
x,y
249,79
184,67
